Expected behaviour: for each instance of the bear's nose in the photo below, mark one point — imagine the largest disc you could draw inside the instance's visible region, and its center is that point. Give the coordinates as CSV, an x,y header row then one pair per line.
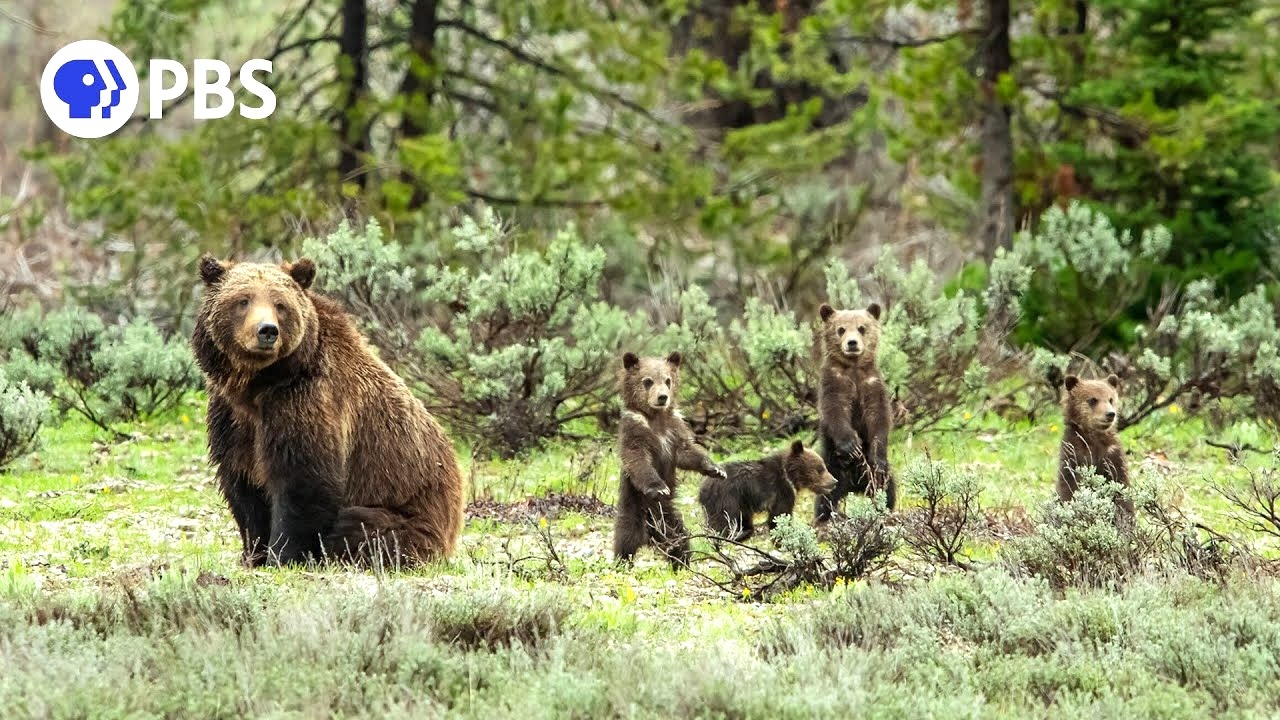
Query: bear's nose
x,y
662,399
1111,415
268,333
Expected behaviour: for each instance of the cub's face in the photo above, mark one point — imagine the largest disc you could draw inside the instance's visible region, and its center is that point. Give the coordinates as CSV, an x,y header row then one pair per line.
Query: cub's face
x,y
256,313
650,384
807,471
851,334
1093,404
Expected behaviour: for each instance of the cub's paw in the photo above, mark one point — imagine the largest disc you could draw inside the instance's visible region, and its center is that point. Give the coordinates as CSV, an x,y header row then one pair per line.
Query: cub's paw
x,y
657,492
717,471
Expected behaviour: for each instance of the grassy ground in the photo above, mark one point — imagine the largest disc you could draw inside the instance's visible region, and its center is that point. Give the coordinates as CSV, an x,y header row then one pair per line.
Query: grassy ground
x,y
121,596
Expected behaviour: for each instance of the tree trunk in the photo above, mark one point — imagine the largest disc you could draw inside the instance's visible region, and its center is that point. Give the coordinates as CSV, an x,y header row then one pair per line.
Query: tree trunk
x,y
418,88
997,138
353,131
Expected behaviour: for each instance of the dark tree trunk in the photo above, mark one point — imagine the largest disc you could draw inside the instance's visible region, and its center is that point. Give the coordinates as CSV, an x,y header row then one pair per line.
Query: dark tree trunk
x,y
997,138
418,88
353,131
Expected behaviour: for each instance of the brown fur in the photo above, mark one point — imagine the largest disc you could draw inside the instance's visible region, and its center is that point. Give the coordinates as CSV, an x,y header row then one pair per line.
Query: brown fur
x,y
1090,411
854,416
653,441
321,451
765,485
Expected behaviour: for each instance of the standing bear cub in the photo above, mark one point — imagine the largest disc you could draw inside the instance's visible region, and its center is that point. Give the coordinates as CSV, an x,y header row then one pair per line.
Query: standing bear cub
x,y
653,441
767,485
1089,442
321,451
853,408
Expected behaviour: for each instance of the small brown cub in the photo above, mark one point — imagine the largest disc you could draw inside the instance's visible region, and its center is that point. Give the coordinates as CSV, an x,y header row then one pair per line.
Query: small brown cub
x,y
1089,439
765,485
653,441
853,408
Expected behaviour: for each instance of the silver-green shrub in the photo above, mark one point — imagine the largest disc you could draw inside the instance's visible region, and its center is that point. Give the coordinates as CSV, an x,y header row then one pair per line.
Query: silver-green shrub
x,y
110,374
950,514
509,346
22,412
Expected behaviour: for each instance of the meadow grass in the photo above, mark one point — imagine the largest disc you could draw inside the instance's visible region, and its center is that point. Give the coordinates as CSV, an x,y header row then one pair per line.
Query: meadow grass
x,y
121,596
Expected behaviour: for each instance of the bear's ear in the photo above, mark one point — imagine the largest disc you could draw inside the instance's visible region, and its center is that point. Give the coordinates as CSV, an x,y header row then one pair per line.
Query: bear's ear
x,y
211,270
674,359
797,448
1070,382
1114,381
826,311
874,310
630,361
303,272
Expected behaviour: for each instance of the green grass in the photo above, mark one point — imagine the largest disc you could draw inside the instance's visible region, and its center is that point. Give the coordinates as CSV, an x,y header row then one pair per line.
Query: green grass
x,y
121,596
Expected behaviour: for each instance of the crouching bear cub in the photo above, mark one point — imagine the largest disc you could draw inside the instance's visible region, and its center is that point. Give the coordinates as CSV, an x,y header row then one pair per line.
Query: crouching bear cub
x,y
767,485
853,408
321,451
1089,437
653,441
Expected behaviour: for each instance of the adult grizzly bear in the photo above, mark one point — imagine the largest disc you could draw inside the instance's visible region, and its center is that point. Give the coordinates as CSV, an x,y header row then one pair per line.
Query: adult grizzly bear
x,y
1089,437
765,485
653,441
321,451
853,408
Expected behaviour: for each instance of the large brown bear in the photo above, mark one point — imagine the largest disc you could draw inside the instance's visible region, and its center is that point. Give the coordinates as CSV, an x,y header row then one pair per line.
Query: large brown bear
x,y
653,441
853,408
321,451
765,485
1089,437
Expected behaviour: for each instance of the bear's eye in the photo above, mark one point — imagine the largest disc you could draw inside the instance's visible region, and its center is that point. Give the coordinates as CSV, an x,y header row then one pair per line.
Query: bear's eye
x,y
862,329
668,382
280,307
244,303
648,383
1093,402
840,331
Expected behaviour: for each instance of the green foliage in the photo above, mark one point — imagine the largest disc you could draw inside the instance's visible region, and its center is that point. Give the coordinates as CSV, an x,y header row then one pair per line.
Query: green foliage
x,y
1080,543
1089,280
22,412
508,348
943,529
109,374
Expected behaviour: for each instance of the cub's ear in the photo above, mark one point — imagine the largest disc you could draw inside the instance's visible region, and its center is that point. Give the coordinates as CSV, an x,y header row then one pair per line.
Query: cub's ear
x,y
674,359
874,310
826,311
211,270
630,361
1070,382
303,272
1114,381
797,448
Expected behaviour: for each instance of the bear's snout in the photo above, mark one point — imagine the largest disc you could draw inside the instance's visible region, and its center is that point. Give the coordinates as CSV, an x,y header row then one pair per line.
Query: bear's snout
x,y
1110,416
852,346
662,400
268,333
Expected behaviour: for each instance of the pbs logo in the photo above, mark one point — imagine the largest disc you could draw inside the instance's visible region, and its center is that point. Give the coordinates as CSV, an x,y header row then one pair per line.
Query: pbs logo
x,y
89,89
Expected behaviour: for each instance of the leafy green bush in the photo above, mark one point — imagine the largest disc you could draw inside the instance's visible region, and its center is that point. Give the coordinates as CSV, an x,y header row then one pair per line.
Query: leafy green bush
x,y
951,512
109,374
22,413
1079,543
509,347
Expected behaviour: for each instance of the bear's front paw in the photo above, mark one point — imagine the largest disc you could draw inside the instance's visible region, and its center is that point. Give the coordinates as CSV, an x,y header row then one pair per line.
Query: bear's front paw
x,y
657,492
847,447
717,471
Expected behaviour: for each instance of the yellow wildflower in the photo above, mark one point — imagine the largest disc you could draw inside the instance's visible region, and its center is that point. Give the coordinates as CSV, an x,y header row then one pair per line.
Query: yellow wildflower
x,y
968,415
1053,428
75,479
106,491
542,522
186,420
628,595
764,415
1174,409
746,593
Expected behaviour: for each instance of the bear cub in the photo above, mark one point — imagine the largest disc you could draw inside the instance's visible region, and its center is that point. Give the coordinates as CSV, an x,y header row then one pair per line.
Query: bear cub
x,y
853,408
766,485
1089,442
653,442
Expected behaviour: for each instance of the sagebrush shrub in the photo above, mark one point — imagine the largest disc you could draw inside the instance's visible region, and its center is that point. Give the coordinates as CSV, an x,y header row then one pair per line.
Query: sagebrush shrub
x,y
109,374
508,347
951,512
22,412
